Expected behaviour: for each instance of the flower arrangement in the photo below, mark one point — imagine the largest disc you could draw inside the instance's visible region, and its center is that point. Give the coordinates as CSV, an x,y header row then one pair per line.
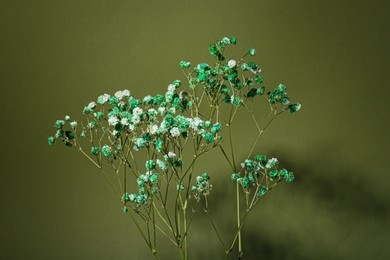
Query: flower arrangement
x,y
172,131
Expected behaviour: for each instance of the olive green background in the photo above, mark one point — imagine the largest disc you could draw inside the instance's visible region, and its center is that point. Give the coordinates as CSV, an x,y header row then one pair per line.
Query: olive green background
x,y
56,56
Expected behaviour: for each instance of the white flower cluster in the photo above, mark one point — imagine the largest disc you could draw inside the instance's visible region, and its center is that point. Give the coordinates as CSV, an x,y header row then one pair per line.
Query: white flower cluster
x,y
122,93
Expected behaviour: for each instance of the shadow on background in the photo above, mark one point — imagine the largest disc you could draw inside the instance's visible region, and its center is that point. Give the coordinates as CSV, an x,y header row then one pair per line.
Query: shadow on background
x,y
330,212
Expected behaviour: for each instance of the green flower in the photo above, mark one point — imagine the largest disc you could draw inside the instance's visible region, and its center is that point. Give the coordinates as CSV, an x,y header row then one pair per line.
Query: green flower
x,y
51,140
180,187
289,177
294,107
260,158
159,144
59,123
260,91
177,83
263,190
258,79
235,176
92,124
252,52
98,114
153,178
107,151
113,100
216,128
67,118
244,67
244,181
273,174
95,150
209,138
185,64
162,165
82,134
233,40
59,133
150,164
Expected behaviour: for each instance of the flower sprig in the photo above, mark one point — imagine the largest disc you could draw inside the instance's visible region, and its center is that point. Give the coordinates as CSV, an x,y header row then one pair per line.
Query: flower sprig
x,y
162,127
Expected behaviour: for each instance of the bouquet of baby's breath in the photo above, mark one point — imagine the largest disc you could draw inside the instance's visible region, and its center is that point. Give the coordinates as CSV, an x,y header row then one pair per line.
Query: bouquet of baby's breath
x,y
163,128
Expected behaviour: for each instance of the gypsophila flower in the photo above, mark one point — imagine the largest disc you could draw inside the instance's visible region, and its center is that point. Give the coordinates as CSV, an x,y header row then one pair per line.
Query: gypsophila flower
x,y
113,120
95,150
126,93
73,124
252,52
147,99
271,163
124,121
91,105
180,187
67,118
103,99
150,165
51,140
59,123
137,111
232,63
135,120
294,107
107,151
175,132
171,88
185,64
161,110
171,155
152,129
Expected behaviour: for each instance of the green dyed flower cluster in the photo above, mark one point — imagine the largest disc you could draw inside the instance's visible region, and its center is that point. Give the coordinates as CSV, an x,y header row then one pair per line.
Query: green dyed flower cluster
x,y
261,174
202,187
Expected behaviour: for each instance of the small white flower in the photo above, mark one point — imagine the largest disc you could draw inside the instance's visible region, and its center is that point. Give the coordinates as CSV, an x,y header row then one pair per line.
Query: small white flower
x,y
119,94
175,132
131,127
73,124
67,118
92,105
115,132
103,98
152,112
171,88
194,124
149,173
113,120
124,121
136,119
171,155
147,99
132,197
121,104
232,63
161,110
137,111
126,93
153,129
